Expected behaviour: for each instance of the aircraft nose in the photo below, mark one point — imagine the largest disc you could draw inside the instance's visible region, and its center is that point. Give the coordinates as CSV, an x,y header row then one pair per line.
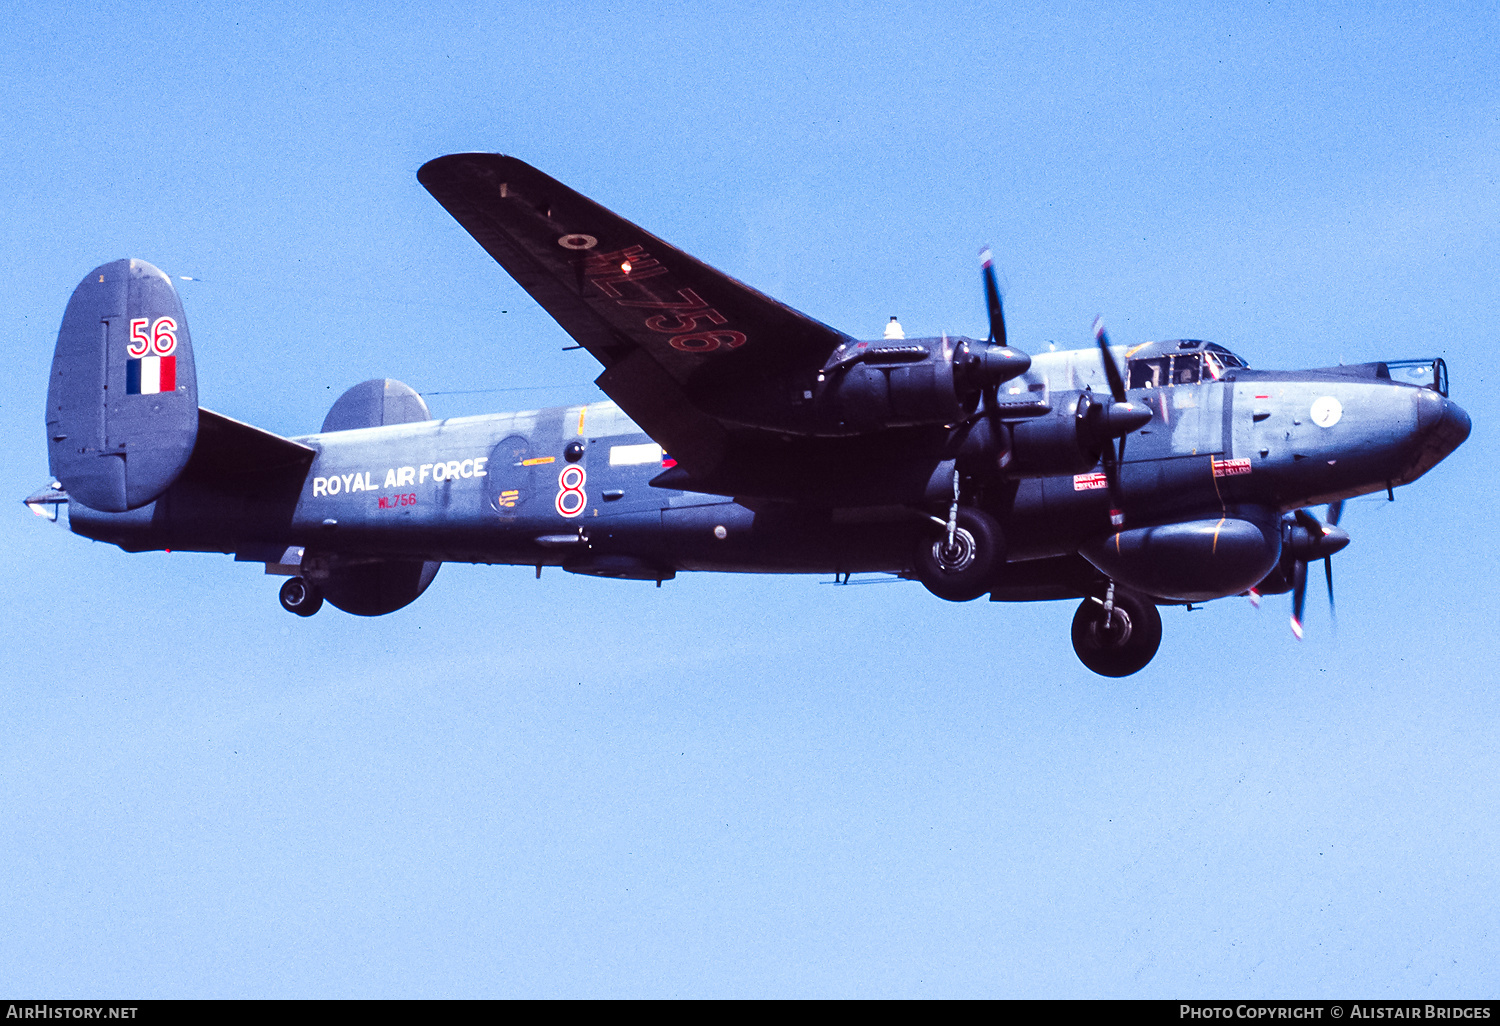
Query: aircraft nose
x,y
1442,426
1442,422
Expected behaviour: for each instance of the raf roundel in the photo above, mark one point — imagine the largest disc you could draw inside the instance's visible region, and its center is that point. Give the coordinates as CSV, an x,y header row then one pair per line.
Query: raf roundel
x,y
1326,412
578,242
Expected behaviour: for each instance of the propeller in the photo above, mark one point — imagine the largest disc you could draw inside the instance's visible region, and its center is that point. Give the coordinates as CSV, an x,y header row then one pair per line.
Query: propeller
x,y
985,368
1319,540
1114,421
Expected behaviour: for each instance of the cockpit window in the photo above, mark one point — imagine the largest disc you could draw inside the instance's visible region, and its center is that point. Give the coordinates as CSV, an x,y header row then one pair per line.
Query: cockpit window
x,y
1209,364
1150,373
1165,371
1225,357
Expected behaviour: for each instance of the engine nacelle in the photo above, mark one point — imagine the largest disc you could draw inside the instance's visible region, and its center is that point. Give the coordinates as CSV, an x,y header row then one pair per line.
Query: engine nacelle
x,y
1055,443
1192,560
867,386
897,386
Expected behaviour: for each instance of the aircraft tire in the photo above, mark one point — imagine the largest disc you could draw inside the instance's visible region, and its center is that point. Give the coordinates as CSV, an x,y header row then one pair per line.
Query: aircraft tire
x,y
1127,645
300,597
965,571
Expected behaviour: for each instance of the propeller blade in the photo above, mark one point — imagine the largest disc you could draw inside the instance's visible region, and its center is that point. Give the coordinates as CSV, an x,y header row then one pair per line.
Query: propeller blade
x,y
1335,511
1112,479
1117,514
1299,595
1111,369
1118,420
992,298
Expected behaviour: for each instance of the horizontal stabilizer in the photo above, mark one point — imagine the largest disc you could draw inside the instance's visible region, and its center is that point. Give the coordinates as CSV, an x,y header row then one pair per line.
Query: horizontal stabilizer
x,y
230,451
376,403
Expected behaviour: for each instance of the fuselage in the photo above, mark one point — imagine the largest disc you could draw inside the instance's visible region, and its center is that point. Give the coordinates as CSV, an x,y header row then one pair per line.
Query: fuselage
x,y
571,486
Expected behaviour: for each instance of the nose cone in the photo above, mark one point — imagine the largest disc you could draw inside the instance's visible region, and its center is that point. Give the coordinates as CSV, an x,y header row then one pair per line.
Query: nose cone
x,y
1442,426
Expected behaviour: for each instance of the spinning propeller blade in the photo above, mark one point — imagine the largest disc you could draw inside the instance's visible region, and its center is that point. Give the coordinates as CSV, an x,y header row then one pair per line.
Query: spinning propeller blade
x,y
1335,511
992,298
986,368
1299,595
1111,369
1118,414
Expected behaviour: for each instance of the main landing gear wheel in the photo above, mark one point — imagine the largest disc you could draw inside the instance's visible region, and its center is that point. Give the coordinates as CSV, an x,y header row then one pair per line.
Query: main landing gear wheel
x,y
965,569
300,597
1123,645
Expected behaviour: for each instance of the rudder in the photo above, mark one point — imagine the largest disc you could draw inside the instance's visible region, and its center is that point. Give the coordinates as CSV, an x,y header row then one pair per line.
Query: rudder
x,y
122,402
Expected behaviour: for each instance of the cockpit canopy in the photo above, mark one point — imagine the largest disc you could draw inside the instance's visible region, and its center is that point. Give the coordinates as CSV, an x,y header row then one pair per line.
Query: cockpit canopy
x,y
1177,362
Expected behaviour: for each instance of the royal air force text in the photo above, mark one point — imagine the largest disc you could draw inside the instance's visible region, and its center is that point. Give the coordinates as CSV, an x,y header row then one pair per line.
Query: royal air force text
x,y
399,477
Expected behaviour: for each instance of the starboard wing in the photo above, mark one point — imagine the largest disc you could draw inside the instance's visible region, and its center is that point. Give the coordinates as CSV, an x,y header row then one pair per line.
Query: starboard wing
x,y
689,353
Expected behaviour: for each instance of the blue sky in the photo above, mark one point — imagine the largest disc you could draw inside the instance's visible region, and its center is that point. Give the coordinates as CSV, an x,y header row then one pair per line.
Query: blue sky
x,y
733,785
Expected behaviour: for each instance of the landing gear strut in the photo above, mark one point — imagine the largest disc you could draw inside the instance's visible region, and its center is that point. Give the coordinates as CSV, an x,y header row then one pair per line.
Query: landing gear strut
x,y
300,597
957,561
1117,635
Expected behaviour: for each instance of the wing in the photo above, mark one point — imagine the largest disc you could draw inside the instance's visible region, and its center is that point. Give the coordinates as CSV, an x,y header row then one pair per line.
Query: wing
x,y
699,360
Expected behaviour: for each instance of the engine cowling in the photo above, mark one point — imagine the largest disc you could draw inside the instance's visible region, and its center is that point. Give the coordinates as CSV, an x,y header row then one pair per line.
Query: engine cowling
x,y
1059,442
873,385
897,386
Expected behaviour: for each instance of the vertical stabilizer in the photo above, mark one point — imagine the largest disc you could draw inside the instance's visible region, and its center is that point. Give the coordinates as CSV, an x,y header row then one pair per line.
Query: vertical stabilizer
x,y
122,403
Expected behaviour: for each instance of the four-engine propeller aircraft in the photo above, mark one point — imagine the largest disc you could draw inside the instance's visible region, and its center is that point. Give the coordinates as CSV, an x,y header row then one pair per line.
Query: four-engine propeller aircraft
x,y
743,436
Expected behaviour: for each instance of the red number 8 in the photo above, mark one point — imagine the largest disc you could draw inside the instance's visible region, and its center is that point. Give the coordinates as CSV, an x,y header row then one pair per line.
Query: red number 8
x,y
570,497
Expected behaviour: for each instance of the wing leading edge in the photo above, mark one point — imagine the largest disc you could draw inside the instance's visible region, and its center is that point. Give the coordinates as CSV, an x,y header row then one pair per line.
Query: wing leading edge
x,y
701,361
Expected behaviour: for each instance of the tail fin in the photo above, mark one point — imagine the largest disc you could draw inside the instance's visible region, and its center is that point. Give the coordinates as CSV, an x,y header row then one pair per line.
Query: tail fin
x,y
122,404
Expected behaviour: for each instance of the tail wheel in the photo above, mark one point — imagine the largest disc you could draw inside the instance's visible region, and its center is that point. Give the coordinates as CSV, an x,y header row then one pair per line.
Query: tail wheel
x,y
300,597
1122,644
964,569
